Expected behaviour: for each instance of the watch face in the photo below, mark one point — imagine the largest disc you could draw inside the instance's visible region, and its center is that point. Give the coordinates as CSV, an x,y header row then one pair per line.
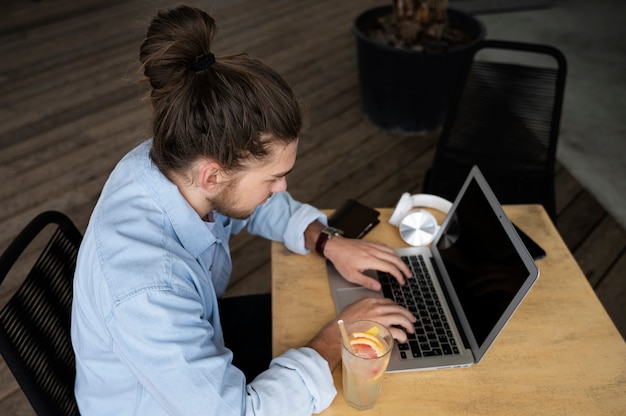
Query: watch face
x,y
332,231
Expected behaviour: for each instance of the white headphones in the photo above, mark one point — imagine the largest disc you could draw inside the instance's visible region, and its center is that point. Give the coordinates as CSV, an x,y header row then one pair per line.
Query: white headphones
x,y
418,227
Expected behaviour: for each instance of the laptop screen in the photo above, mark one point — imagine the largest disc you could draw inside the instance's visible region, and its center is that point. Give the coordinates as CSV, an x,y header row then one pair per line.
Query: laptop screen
x,y
486,264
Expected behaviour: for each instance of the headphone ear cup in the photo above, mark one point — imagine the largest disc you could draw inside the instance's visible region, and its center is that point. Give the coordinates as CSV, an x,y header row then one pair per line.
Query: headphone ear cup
x,y
404,205
418,227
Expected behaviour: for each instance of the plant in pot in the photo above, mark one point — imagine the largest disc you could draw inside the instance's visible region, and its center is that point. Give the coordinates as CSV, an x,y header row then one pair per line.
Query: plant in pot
x,y
410,54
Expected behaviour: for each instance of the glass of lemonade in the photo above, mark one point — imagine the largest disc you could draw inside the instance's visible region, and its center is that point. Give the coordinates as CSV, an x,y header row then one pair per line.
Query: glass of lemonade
x,y
364,362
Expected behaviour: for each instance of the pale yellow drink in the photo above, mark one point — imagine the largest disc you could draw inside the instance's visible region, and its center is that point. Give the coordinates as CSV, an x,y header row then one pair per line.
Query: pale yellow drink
x,y
364,363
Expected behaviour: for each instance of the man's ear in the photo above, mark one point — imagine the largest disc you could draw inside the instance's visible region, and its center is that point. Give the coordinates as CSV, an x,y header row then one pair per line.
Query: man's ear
x,y
209,176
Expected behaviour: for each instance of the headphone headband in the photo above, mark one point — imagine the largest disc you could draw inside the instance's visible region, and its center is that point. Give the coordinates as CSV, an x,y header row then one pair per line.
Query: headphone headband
x,y
407,202
431,201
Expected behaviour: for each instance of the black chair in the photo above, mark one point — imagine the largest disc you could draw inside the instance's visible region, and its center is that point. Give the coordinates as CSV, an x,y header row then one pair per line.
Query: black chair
x,y
505,118
35,322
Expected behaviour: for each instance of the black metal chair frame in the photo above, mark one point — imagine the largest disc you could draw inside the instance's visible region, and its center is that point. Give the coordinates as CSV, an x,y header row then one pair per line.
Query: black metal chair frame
x,y
35,323
494,101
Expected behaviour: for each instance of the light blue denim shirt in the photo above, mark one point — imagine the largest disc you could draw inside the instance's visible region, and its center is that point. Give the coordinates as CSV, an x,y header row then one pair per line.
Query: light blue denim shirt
x,y
145,322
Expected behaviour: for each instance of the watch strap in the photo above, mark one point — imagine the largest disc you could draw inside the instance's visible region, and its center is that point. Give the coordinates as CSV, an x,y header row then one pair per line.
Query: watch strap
x,y
325,235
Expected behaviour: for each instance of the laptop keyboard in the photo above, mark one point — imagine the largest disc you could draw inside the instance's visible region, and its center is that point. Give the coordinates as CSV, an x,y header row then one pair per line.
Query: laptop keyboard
x,y
432,332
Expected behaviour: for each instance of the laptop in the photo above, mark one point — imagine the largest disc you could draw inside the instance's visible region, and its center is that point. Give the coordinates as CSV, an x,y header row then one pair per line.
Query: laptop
x,y
480,271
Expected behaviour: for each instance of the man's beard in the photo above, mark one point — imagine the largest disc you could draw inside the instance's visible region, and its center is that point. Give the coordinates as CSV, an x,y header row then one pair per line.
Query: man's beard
x,y
226,202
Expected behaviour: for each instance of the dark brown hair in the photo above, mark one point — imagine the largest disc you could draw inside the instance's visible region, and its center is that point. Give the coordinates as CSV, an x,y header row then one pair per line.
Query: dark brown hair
x,y
229,111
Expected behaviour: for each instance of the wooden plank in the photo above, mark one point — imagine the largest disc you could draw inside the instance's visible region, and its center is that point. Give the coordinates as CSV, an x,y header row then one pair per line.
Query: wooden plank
x,y
88,165
255,282
566,188
612,293
602,248
105,142
76,109
577,221
16,404
20,16
54,44
363,168
408,177
46,146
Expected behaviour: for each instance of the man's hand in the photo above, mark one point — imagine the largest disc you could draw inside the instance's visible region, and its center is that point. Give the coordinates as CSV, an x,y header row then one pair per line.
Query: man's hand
x,y
328,341
352,257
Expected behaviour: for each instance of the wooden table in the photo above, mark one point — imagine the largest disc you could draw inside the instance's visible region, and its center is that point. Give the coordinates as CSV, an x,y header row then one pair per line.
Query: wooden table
x,y
560,353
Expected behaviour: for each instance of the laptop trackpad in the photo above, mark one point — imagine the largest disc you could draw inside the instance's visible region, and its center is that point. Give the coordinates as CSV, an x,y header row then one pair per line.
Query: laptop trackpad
x,y
346,296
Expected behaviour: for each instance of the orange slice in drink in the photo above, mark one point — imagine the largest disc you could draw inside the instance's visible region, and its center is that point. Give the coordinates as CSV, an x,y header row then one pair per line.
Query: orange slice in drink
x,y
364,344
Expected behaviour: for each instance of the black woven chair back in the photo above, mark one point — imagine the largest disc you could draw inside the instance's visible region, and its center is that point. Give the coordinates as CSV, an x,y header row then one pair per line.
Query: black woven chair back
x,y
504,118
35,323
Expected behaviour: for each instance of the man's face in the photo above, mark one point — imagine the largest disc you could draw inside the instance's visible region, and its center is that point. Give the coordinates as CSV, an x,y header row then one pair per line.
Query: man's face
x,y
243,191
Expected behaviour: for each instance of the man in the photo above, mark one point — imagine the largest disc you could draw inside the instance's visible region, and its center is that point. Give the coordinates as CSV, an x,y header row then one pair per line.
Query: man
x,y
154,261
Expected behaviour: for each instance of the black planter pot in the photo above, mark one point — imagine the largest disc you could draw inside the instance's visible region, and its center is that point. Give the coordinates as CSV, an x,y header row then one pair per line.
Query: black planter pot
x,y
407,91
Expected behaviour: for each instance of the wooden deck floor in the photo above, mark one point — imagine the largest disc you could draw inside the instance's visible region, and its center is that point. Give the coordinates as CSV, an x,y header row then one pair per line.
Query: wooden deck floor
x,y
70,107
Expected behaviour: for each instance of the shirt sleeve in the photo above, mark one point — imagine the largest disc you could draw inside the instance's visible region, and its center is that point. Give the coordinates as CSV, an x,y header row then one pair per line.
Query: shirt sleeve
x,y
303,366
180,360
284,219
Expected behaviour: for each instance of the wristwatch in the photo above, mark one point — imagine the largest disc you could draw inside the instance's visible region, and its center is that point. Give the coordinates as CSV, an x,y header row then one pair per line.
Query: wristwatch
x,y
325,235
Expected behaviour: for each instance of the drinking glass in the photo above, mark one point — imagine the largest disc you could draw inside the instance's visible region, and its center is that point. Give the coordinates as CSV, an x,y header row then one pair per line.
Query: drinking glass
x,y
364,362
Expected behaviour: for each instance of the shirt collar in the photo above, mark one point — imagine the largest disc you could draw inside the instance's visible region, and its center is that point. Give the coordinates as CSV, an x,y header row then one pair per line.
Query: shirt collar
x,y
185,221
